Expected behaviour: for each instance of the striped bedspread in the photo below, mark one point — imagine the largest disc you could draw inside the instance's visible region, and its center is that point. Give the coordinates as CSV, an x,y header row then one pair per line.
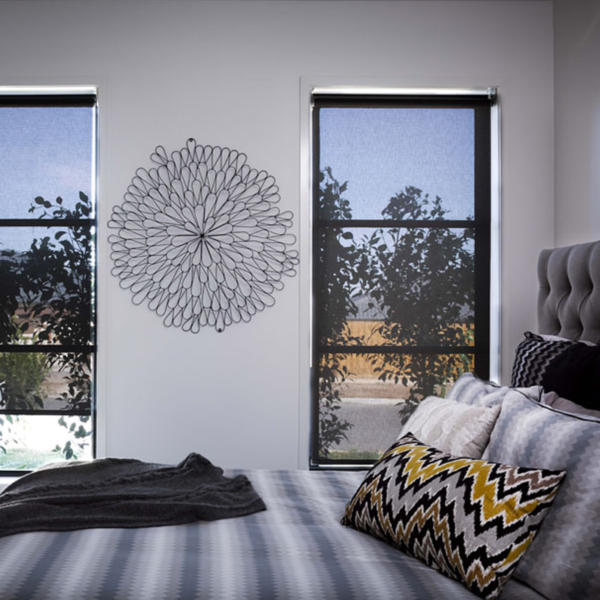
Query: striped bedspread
x,y
295,549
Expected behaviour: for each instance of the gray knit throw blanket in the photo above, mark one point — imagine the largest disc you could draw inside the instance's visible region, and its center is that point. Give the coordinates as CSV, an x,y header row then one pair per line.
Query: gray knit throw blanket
x,y
115,492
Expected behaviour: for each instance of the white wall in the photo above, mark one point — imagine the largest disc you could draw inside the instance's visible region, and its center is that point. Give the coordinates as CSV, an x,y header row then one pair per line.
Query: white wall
x,y
228,73
577,125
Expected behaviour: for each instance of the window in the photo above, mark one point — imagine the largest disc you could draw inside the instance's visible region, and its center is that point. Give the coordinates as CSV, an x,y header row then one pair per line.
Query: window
x,y
47,277
401,261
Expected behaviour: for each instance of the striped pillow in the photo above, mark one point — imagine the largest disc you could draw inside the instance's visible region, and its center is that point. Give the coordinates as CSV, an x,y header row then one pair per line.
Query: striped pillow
x,y
532,357
469,389
563,562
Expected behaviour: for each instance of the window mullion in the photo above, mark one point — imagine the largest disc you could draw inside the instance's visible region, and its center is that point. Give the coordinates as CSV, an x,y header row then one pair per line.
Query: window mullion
x,y
391,223
343,349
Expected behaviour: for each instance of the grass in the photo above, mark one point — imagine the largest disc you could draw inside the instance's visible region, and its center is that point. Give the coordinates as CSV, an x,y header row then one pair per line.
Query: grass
x,y
21,459
353,454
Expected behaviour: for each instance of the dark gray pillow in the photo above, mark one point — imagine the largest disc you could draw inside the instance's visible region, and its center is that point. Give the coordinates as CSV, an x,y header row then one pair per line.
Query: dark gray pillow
x,y
574,374
555,401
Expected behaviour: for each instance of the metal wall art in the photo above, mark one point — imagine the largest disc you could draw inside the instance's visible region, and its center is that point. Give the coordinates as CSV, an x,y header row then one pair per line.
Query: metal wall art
x,y
199,238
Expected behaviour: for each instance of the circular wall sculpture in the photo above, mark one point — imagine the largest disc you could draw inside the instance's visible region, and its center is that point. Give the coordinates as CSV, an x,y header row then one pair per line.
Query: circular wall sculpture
x,y
199,238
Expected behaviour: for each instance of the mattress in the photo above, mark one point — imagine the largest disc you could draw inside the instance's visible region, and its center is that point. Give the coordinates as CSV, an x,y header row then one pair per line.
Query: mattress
x,y
294,549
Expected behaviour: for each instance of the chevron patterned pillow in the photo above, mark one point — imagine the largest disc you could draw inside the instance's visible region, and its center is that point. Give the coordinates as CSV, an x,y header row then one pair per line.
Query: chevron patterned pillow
x,y
470,519
532,357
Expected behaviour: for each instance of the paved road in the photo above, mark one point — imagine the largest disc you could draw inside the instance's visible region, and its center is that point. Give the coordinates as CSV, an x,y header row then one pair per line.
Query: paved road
x,y
375,426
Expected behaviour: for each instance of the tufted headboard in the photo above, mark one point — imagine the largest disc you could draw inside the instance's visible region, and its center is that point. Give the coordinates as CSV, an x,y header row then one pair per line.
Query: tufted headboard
x,y
569,293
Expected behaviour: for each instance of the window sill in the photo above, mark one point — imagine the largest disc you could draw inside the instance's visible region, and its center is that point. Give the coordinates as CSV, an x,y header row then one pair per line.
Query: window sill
x,y
4,481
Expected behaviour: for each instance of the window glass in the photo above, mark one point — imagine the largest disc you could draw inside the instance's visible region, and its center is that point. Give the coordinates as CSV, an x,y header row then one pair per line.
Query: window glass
x,y
370,405
400,262
45,381
379,151
384,280
27,441
47,275
44,151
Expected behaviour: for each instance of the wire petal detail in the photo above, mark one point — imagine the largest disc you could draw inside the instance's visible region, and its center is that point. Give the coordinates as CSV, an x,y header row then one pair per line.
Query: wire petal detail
x,y
199,238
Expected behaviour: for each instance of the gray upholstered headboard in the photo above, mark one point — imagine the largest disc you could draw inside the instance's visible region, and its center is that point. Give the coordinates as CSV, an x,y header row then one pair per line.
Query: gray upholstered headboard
x,y
569,293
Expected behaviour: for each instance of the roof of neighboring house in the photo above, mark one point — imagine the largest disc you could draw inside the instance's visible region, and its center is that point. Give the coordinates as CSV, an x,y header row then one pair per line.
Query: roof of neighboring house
x,y
367,309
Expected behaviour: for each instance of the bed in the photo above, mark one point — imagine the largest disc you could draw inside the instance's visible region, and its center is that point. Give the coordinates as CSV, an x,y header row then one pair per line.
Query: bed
x,y
297,547
294,549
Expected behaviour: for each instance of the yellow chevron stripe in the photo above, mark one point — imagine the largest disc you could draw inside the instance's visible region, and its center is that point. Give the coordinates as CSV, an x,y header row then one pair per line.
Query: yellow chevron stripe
x,y
485,490
420,466
485,493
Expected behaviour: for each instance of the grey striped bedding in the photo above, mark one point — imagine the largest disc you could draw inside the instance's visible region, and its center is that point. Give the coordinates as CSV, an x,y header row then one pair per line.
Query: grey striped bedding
x,y
294,549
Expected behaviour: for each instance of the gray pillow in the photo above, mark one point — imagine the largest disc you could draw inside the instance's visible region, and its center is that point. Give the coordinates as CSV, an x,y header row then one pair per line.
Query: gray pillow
x,y
563,562
469,389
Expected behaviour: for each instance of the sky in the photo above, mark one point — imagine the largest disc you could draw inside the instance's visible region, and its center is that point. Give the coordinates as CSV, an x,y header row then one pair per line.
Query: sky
x,y
44,151
379,151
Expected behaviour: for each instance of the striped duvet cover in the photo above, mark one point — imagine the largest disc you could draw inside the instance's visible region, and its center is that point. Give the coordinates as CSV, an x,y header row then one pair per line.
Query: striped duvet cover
x,y
296,549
